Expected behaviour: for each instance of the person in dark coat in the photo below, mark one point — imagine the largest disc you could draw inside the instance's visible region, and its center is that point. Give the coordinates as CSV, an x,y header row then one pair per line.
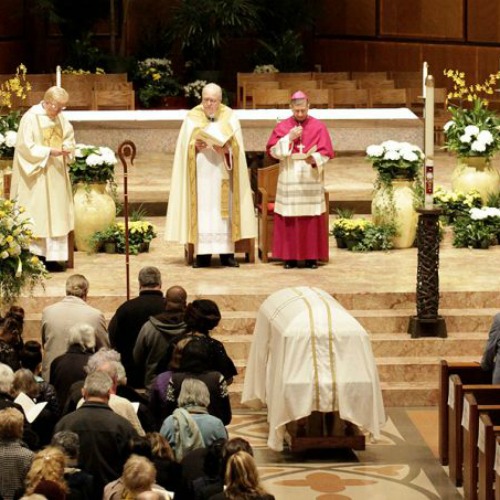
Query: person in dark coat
x,y
104,435
127,322
70,366
11,341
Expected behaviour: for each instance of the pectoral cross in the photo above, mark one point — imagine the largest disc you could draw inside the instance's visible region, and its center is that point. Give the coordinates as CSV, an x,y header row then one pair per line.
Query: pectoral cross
x,y
301,148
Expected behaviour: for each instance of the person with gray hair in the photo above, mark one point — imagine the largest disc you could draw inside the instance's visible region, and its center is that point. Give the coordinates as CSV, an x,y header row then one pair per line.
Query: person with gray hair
x,y
212,206
70,366
191,426
127,322
58,318
40,179
104,435
106,361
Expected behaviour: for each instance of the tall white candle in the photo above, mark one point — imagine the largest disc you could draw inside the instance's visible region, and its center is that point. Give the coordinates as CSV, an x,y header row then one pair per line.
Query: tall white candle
x,y
429,117
58,76
425,71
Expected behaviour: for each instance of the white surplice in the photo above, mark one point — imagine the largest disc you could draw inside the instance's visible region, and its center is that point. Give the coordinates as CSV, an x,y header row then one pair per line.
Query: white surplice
x,y
309,354
214,231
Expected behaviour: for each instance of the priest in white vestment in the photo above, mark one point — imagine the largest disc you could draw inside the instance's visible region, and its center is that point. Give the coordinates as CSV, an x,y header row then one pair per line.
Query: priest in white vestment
x,y
40,179
210,203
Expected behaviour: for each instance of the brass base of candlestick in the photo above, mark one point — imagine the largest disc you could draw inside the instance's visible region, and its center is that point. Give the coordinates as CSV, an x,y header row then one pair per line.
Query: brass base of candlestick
x,y
427,327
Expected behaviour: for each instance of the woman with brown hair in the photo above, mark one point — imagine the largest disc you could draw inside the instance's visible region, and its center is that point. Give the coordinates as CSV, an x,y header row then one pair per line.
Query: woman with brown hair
x,y
46,475
11,341
242,480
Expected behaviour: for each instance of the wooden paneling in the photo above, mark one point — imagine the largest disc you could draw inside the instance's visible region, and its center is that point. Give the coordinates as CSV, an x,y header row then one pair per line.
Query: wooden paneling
x,y
483,22
340,55
422,19
346,17
11,19
390,56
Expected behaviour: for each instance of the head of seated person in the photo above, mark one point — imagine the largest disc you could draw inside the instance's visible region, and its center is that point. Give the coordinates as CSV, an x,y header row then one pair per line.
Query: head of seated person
x,y
202,316
195,357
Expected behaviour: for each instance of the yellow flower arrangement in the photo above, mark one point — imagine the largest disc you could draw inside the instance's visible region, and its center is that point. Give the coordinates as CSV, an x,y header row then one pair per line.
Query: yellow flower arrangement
x,y
473,129
19,268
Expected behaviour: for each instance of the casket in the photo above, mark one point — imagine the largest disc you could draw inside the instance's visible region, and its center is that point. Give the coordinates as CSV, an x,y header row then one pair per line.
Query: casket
x,y
308,355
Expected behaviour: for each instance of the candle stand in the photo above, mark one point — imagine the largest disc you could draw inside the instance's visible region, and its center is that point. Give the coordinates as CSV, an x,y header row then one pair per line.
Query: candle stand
x,y
427,322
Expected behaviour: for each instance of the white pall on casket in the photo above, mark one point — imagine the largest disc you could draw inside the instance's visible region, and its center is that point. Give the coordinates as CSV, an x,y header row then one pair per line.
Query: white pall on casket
x,y
309,354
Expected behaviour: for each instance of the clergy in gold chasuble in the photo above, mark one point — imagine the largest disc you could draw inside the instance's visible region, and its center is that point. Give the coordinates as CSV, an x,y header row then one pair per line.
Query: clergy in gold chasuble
x,y
210,203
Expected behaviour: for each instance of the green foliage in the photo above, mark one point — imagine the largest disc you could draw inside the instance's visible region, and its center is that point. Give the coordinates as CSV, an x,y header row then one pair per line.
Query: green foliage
x,y
456,204
112,234
285,51
377,237
344,213
203,27
473,131
9,125
92,164
470,233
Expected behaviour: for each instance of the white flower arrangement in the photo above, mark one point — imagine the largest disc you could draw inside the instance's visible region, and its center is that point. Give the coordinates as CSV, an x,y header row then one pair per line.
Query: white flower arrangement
x,y
266,68
394,159
484,213
92,164
193,90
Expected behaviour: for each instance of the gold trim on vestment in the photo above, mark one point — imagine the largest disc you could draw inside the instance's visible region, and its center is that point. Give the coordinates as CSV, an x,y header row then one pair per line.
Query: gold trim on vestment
x,y
52,135
201,120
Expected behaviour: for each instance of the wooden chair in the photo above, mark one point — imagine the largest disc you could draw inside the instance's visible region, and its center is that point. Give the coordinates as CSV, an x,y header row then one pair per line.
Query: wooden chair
x,y
271,98
369,75
303,85
242,78
267,183
332,76
112,85
441,114
114,99
475,402
81,99
343,98
387,98
497,469
250,87
319,98
468,372
283,77
379,84
340,85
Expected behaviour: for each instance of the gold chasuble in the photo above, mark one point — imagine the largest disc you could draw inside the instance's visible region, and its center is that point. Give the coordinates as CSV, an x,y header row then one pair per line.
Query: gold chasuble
x,y
236,203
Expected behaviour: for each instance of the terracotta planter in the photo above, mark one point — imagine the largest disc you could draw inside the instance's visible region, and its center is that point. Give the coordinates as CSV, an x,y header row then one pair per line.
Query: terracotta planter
x,y
396,203
477,173
95,210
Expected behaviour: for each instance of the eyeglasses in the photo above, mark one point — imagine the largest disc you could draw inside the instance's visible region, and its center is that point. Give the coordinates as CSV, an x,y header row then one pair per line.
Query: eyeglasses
x,y
55,107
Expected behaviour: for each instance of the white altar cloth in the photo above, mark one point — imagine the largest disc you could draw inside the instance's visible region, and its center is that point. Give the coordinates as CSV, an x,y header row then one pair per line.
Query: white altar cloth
x,y
309,354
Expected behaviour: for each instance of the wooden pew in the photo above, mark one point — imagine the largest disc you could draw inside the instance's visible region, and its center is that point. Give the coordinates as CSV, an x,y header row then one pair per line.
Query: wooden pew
x,y
497,469
471,373
474,403
489,430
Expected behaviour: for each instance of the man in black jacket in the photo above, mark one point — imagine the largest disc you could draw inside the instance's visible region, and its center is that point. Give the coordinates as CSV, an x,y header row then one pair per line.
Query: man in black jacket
x,y
127,322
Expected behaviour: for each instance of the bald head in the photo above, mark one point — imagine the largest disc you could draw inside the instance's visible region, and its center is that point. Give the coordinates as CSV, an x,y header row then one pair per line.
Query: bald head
x,y
176,298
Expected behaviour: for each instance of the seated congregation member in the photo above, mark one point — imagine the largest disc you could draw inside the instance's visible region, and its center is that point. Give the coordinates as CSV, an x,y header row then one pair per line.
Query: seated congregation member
x,y
212,465
491,359
139,475
127,322
80,482
168,470
15,458
58,318
157,333
202,316
242,480
43,425
195,364
107,361
191,426
104,435
7,401
70,366
11,342
46,475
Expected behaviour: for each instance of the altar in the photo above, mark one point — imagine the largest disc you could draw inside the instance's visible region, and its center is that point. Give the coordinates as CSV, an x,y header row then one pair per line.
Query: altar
x,y
156,131
308,354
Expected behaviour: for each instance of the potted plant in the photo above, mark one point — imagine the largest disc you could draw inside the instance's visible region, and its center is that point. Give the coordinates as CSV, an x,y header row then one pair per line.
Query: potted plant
x,y
473,134
398,189
19,268
92,176
156,82
478,229
109,239
456,204
350,231
192,92
140,235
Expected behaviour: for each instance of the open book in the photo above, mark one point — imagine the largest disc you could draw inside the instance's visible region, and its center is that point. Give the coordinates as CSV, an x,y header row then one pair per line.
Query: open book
x,y
213,135
31,409
303,156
